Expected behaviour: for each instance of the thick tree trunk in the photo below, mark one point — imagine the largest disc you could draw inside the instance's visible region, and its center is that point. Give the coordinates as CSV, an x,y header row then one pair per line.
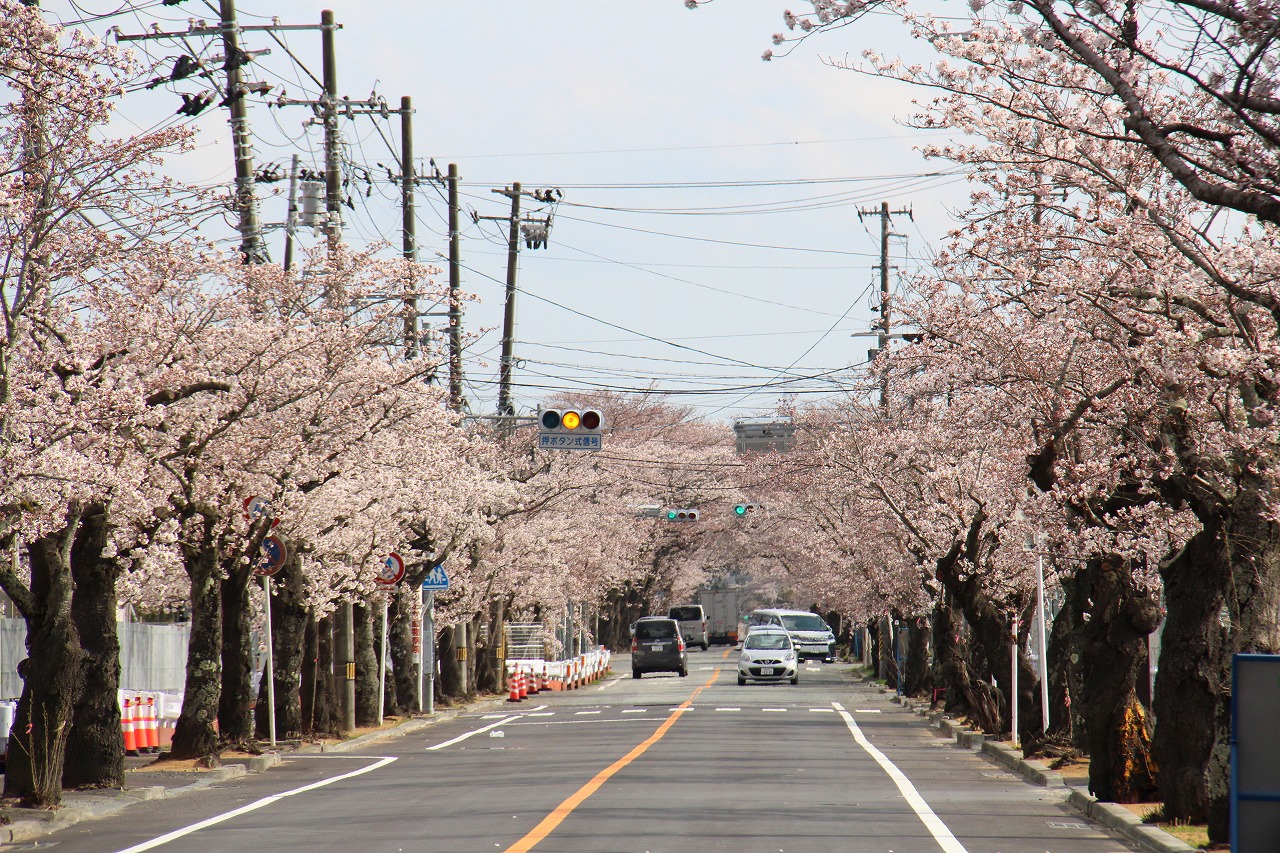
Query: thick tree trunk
x,y
288,646
450,681
1064,655
886,666
367,659
917,679
326,714
404,683
945,671
51,674
95,748
309,690
235,702
1194,676
1115,619
194,736
486,675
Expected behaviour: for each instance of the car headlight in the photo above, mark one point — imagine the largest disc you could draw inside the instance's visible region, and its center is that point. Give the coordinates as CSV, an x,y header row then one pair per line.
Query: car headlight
x,y
790,654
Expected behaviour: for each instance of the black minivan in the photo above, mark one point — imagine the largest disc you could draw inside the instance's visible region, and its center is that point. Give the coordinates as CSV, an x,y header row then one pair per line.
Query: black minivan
x,y
656,646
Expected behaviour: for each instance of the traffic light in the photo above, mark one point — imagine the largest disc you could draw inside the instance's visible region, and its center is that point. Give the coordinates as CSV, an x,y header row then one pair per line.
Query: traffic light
x,y
745,509
569,429
682,515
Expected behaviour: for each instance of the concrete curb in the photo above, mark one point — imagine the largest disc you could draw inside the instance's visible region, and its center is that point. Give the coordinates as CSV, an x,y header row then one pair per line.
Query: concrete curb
x,y
1111,815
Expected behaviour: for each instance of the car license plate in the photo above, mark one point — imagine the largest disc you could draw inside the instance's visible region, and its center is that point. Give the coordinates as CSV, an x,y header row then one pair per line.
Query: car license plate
x,y
766,670
657,647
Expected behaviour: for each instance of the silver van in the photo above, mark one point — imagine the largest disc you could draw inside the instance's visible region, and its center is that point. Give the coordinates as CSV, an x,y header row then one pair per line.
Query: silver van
x,y
693,623
812,637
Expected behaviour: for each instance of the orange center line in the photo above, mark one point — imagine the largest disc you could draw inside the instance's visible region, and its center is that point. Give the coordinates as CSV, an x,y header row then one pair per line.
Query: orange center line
x,y
562,811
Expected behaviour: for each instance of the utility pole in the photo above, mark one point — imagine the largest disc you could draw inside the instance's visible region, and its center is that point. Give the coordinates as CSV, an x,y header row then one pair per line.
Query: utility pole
x,y
408,185
455,288
252,248
882,338
344,623
291,222
509,311
332,154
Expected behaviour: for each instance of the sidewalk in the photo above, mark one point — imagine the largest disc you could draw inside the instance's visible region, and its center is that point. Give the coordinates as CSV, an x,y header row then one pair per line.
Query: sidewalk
x,y
144,780
1110,815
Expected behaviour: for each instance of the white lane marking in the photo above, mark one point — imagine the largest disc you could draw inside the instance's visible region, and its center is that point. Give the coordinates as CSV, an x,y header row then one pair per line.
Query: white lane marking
x,y
813,669
492,716
931,821
609,683
774,710
257,804
580,713
594,721
636,711
866,711
690,708
541,714
728,709
705,668
822,710
460,738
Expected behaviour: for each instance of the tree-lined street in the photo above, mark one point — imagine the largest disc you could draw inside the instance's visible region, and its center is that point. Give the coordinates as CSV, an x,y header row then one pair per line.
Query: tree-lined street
x,y
756,768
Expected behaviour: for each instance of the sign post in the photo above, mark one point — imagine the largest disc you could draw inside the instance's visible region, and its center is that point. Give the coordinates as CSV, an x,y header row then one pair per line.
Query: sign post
x,y
388,576
436,579
271,558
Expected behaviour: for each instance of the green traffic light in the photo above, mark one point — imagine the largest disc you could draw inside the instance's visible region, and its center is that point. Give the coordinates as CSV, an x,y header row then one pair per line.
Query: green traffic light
x,y
671,515
740,509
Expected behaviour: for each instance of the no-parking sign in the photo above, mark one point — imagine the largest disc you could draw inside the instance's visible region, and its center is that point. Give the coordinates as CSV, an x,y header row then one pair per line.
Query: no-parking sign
x,y
392,570
270,557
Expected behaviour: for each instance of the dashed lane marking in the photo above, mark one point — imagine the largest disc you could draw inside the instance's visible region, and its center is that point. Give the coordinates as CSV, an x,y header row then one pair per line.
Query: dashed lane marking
x,y
728,709
822,710
774,710
582,713
636,711
866,711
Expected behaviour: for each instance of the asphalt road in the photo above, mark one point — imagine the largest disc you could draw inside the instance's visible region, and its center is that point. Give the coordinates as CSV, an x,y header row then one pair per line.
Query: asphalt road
x,y
660,764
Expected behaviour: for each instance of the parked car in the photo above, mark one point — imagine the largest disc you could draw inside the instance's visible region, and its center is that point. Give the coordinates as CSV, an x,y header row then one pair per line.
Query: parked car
x,y
768,655
812,637
693,624
656,646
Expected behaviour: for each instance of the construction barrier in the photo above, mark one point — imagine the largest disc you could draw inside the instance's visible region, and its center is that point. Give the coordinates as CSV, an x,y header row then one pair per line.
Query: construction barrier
x,y
568,674
147,720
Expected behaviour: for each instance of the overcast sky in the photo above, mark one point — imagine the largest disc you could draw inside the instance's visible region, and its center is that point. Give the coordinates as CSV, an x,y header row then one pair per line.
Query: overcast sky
x,y
708,242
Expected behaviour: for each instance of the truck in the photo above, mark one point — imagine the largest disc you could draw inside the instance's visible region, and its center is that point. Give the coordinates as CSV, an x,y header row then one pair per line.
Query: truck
x,y
723,608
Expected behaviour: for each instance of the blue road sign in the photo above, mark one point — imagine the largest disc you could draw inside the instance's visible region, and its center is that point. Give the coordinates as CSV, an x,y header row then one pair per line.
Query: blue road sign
x,y
436,579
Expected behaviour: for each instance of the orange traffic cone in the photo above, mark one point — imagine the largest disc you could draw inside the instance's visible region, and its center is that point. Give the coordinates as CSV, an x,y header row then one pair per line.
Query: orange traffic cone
x,y
514,696
524,684
533,680
153,729
126,726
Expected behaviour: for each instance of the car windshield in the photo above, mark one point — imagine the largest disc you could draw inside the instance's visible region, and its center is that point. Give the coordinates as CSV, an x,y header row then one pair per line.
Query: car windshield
x,y
655,630
770,640
804,622
686,614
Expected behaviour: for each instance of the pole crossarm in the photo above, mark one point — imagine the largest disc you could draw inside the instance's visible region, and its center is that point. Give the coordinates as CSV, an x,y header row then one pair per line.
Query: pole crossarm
x,y
204,28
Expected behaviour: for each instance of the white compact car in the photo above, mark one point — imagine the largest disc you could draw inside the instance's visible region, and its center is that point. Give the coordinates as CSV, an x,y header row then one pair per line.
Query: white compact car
x,y
768,655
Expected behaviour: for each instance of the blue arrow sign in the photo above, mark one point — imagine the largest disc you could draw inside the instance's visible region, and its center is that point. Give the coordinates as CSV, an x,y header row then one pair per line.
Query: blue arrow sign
x,y
436,579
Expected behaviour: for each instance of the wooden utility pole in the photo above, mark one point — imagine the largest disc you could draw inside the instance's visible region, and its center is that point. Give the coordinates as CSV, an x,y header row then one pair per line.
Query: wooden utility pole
x,y
882,338
408,186
332,141
509,311
252,248
455,288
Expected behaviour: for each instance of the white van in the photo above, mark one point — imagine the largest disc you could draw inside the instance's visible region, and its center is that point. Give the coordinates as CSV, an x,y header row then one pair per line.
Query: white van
x,y
812,637
693,624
